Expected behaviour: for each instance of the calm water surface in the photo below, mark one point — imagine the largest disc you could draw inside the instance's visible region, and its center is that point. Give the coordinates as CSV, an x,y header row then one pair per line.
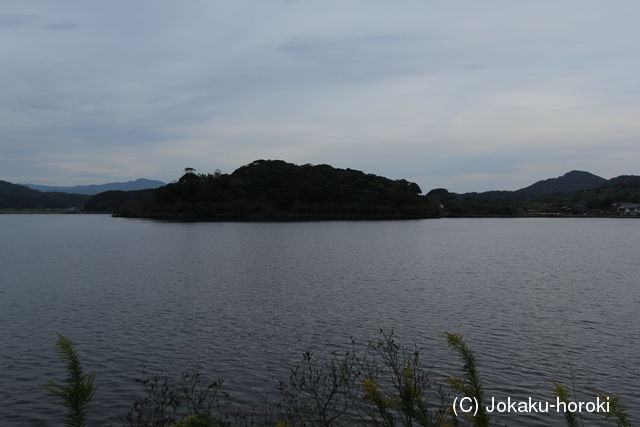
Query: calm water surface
x,y
534,298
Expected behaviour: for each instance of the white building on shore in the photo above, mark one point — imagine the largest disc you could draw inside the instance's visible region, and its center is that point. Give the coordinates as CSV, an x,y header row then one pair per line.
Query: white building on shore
x,y
628,208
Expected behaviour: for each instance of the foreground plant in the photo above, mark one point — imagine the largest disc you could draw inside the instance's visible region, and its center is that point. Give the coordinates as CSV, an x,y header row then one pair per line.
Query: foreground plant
x,y
196,421
398,386
381,384
320,392
78,390
469,385
617,412
565,397
188,402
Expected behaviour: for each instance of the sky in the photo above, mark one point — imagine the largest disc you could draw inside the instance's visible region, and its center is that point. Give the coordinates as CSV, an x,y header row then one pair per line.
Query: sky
x,y
467,95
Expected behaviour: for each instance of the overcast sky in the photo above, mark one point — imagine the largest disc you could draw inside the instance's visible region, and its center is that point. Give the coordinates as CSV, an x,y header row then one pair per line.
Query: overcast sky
x,y
467,95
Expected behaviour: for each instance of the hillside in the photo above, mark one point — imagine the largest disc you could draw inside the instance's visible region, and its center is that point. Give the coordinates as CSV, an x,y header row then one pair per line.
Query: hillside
x,y
110,201
623,179
568,183
622,189
277,190
14,196
138,184
552,196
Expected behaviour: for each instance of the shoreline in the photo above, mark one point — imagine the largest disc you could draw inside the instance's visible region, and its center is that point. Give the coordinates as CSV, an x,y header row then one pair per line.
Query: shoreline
x,y
301,218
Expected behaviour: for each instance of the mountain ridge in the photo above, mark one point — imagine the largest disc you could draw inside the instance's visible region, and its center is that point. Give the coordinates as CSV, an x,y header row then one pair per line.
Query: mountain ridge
x,y
93,189
16,196
570,182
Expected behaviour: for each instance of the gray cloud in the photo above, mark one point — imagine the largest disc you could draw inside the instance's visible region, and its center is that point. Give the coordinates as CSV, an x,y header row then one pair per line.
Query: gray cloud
x,y
14,20
60,26
359,49
467,95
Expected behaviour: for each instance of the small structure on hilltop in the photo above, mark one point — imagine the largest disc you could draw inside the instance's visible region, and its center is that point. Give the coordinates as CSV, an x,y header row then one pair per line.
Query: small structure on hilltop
x,y
189,175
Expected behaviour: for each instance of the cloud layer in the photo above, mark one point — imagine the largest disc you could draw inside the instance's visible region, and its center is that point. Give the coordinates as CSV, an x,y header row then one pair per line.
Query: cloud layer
x,y
465,95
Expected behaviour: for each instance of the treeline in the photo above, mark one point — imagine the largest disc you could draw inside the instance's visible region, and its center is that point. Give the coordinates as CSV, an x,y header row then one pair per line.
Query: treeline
x,y
597,201
111,201
14,196
277,190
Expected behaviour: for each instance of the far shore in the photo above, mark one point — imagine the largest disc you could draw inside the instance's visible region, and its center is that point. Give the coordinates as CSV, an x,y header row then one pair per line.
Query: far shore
x,y
294,218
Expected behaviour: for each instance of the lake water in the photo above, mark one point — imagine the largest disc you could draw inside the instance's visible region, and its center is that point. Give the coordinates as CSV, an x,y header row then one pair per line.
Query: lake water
x,y
535,299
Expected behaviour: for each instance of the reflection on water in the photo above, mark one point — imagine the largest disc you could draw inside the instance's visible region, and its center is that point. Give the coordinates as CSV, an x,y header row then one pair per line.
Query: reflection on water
x,y
535,298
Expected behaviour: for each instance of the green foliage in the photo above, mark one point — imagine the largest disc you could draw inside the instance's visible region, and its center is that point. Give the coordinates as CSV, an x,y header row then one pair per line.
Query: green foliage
x,y
469,385
78,390
196,420
382,405
565,396
382,383
189,401
399,390
277,190
617,412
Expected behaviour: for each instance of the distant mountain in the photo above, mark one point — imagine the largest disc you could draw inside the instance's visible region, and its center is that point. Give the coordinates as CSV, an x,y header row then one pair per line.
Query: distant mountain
x,y
14,196
138,184
574,193
568,183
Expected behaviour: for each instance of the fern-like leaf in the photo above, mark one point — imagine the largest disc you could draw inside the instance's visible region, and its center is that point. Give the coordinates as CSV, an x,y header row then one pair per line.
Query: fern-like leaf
x,y
78,390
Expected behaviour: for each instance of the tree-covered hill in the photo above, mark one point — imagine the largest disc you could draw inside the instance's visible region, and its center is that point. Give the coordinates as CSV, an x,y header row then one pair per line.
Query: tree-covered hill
x,y
110,201
277,190
593,201
623,179
622,189
14,196
568,183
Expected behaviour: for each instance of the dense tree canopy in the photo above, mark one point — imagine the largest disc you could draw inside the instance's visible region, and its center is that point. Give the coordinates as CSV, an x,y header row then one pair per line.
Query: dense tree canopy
x,y
596,201
110,201
275,189
14,196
